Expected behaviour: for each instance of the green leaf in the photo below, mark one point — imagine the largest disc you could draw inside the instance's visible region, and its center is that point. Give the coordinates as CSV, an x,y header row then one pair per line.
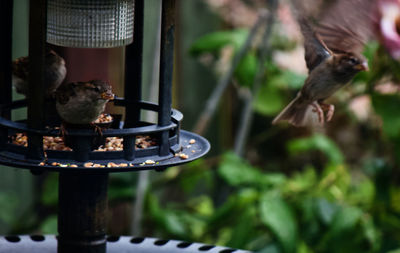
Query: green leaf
x,y
344,232
317,142
239,37
303,248
174,223
301,181
363,192
170,220
387,106
233,208
121,186
326,210
213,42
247,69
370,50
237,171
371,232
50,190
345,219
9,204
202,205
120,193
195,225
195,176
278,217
268,100
49,225
281,42
272,248
244,229
287,79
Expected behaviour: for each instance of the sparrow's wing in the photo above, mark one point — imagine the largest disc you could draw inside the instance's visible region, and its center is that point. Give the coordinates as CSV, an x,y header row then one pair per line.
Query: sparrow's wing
x,y
346,25
64,92
315,49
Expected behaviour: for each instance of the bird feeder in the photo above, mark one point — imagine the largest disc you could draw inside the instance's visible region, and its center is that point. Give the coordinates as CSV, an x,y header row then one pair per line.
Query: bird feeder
x,y
83,187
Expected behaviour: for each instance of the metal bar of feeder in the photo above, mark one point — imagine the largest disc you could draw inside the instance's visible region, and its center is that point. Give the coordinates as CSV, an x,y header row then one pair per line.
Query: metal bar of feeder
x,y
133,67
166,70
133,79
6,22
36,89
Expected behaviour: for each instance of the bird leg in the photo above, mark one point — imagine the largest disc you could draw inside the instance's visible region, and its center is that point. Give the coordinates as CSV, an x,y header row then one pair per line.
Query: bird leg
x,y
97,129
328,107
318,109
63,130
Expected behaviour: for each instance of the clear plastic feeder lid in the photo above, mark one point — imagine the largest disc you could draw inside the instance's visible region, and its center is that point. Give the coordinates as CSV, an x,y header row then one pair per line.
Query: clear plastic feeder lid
x,y
90,23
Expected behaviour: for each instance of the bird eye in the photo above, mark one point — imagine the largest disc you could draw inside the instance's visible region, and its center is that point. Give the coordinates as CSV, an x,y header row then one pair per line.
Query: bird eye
x,y
353,61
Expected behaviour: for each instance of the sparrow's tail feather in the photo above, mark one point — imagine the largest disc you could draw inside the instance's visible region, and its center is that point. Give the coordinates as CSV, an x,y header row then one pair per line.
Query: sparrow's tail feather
x,y
295,112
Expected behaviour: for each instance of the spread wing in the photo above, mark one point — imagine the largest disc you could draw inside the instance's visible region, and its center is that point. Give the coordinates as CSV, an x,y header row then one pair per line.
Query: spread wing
x,y
346,25
315,49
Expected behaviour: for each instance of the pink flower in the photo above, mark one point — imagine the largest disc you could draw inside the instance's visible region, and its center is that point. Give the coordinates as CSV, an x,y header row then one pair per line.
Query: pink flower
x,y
389,26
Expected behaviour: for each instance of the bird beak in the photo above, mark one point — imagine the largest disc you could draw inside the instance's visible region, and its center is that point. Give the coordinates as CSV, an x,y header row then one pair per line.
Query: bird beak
x,y
362,67
107,96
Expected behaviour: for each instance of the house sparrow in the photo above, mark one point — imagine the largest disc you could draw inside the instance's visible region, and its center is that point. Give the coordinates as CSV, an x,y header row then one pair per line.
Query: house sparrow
x,y
54,76
333,57
82,102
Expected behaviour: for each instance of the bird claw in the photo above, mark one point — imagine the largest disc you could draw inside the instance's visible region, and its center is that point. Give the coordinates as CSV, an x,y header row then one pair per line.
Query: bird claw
x,y
63,130
97,129
320,108
330,110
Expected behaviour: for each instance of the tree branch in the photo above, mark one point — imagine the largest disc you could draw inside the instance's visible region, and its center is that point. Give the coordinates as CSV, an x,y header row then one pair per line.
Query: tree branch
x,y
212,102
247,113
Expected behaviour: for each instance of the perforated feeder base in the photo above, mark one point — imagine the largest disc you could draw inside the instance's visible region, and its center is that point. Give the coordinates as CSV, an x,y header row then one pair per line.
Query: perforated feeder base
x,y
121,244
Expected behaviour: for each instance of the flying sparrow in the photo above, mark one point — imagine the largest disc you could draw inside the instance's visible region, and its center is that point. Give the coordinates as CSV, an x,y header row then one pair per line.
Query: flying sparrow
x,y
333,57
55,73
82,102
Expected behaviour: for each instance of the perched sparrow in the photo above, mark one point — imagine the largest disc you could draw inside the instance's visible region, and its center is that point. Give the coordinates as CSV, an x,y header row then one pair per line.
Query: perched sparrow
x,y
82,102
333,57
54,76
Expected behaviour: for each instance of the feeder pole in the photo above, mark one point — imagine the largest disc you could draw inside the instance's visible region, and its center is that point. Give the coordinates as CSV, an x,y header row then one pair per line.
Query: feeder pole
x,y
82,208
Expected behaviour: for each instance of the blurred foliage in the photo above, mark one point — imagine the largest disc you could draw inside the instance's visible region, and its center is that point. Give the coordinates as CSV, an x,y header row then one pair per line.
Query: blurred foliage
x,y
310,194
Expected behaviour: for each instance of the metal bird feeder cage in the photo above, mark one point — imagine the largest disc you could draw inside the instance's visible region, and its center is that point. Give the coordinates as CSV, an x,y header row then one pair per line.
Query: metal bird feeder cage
x,y
82,188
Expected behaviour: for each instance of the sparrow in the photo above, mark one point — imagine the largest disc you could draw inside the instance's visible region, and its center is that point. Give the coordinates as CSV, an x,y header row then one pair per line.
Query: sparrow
x,y
333,55
55,72
82,102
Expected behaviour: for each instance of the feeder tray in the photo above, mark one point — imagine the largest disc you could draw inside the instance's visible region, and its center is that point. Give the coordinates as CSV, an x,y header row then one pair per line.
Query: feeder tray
x,y
183,146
